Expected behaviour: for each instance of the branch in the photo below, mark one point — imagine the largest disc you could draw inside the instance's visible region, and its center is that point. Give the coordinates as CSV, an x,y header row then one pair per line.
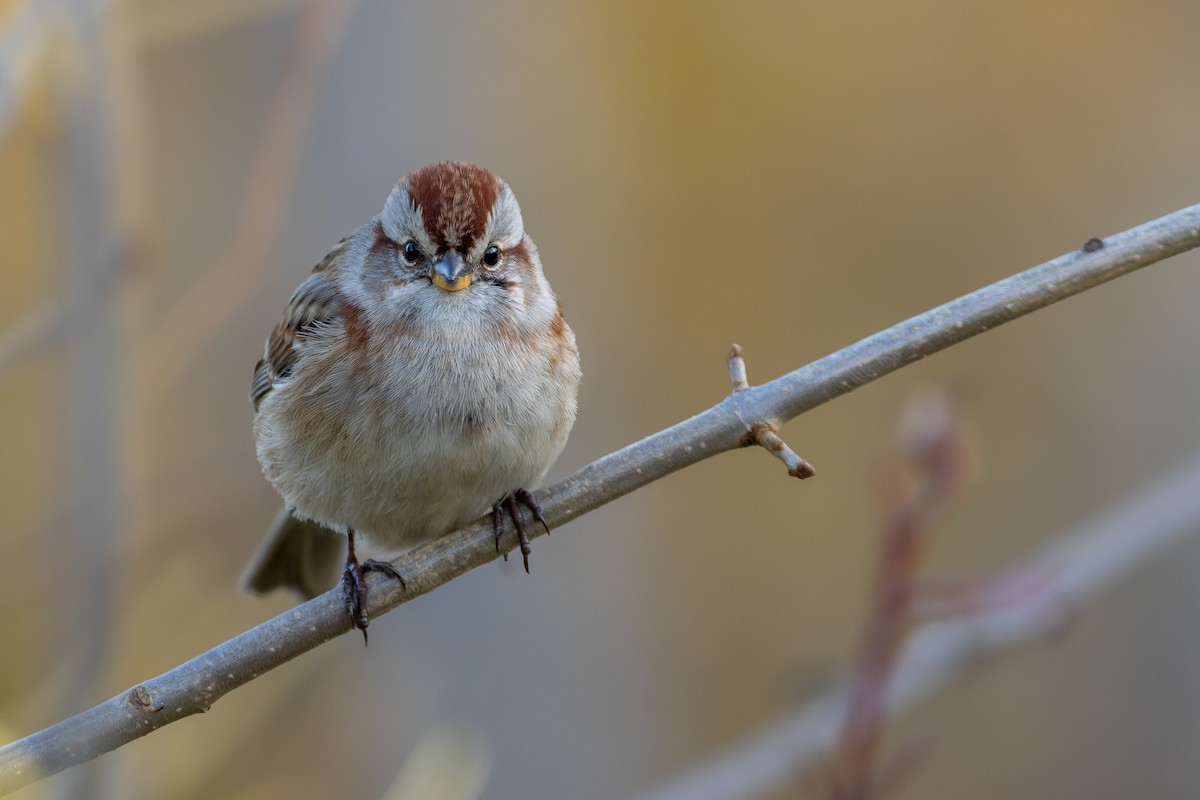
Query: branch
x,y
209,305
195,685
25,36
1069,572
928,470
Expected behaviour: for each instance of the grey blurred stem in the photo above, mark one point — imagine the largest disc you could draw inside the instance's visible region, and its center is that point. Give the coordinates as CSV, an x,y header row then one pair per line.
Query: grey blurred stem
x,y
92,485
1074,568
194,686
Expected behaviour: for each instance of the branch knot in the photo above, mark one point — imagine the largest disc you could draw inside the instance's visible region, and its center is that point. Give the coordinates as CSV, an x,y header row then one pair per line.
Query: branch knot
x,y
141,699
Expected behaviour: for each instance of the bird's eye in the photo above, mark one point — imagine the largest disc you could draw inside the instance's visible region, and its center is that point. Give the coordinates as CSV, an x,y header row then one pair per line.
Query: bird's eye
x,y
411,251
491,256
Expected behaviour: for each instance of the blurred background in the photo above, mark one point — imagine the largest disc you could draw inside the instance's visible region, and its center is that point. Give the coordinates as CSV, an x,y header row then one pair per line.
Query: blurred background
x,y
789,176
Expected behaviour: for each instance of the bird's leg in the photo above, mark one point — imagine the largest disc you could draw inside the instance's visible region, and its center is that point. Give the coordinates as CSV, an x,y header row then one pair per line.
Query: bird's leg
x,y
513,502
354,584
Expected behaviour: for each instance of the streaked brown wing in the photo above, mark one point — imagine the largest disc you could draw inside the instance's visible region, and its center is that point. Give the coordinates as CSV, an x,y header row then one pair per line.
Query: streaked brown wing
x,y
316,301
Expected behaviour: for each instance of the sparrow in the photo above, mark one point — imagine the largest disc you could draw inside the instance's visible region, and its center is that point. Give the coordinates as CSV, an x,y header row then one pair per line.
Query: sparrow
x,y
421,375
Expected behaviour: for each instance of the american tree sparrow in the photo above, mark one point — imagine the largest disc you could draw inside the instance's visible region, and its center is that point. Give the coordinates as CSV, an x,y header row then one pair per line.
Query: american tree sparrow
x,y
422,374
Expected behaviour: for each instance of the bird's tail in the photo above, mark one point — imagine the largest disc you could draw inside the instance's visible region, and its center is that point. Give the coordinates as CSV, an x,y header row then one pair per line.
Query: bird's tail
x,y
301,555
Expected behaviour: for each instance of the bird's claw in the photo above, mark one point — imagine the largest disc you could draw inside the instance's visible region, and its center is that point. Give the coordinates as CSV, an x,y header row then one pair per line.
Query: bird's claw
x,y
513,502
354,588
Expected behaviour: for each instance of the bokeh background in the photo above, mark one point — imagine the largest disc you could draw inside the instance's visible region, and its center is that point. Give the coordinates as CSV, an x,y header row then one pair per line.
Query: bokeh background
x,y
789,176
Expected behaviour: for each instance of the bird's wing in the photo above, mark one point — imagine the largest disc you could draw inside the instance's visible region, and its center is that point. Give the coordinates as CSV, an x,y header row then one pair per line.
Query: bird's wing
x,y
315,302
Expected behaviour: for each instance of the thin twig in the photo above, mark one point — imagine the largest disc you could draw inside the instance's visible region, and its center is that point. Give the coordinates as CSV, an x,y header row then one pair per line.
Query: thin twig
x,y
925,474
25,37
194,686
210,303
99,220
765,433
737,370
43,326
102,71
766,436
1077,567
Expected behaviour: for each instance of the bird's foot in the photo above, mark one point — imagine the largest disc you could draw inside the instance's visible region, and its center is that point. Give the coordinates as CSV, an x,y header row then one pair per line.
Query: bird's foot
x,y
354,586
513,502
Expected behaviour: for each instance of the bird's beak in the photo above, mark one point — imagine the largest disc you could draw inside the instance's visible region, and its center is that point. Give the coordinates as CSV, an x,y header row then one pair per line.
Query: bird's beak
x,y
450,272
